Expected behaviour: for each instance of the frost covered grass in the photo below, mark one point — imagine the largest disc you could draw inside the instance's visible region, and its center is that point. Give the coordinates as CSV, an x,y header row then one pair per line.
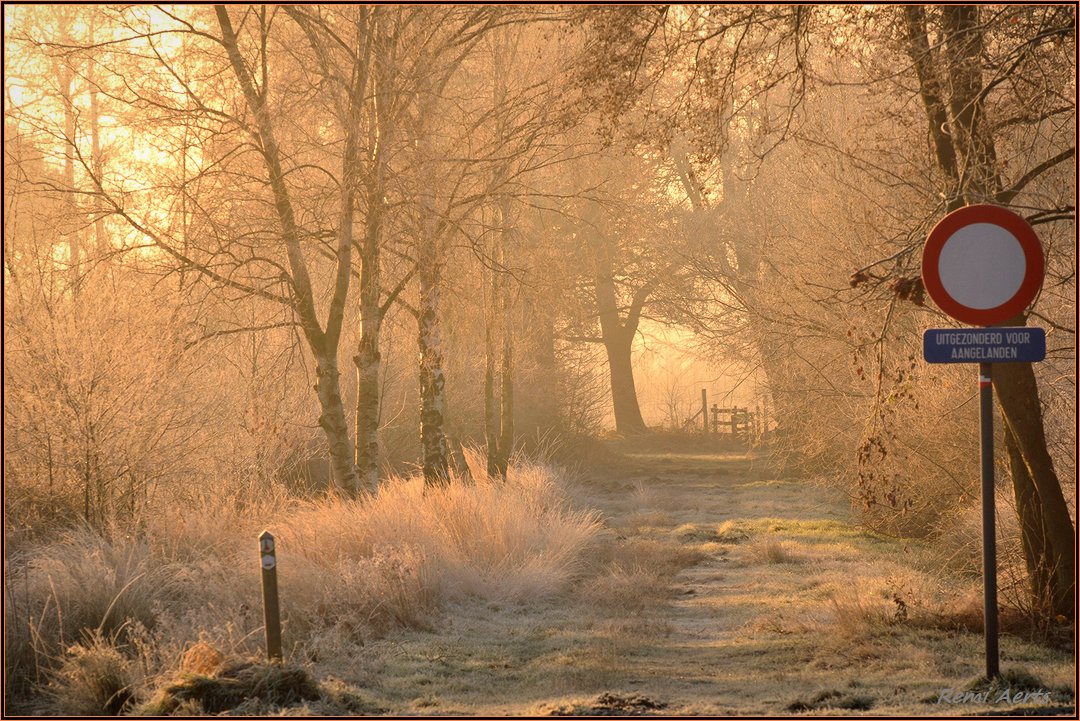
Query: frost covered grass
x,y
349,570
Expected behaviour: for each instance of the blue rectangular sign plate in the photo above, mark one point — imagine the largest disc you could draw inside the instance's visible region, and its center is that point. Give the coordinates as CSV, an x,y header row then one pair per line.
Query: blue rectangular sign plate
x,y
984,345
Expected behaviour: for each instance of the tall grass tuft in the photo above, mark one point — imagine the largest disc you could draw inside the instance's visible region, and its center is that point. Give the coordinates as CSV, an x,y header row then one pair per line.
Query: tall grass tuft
x,y
93,679
397,555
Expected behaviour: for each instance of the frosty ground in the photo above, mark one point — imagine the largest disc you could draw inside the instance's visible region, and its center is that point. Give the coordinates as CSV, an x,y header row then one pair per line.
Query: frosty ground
x,y
717,588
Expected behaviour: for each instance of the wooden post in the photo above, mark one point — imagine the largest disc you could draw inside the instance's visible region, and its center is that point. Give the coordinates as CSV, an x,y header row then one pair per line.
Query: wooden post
x,y
734,422
704,411
716,419
271,612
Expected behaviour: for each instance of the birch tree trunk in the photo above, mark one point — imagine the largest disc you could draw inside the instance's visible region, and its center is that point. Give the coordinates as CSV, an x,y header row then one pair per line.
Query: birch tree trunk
x,y
368,361
499,414
429,262
432,377
332,421
322,342
499,409
368,358
437,63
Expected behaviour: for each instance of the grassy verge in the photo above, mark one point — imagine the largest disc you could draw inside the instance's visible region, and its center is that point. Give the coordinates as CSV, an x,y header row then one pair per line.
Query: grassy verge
x,y
97,624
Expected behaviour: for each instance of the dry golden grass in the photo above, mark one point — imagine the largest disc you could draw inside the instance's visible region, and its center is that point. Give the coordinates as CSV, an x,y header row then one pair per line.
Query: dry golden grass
x,y
630,589
772,550
94,679
202,659
731,532
854,615
500,541
348,571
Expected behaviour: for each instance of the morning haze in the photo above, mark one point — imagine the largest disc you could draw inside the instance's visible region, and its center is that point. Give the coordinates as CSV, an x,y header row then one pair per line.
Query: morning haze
x,y
570,354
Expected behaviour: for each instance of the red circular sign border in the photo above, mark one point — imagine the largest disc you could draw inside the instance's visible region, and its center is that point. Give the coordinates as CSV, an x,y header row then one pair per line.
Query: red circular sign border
x,y
1034,272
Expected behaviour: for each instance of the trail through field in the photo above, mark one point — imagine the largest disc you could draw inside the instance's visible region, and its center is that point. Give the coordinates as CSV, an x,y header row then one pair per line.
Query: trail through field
x,y
716,588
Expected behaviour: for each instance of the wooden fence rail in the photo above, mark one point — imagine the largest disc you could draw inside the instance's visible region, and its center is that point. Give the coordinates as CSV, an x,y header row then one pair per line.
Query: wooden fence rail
x,y
737,423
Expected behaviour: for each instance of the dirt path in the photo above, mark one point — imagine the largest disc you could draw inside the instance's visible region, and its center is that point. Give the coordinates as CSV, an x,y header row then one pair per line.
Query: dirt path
x,y
716,589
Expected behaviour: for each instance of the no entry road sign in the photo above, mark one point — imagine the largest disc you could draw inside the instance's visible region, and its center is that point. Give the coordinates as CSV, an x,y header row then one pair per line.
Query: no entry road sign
x,y
982,264
984,345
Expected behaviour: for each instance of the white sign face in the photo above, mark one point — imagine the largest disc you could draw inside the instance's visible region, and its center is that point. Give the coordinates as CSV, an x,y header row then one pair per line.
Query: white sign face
x,y
982,265
268,562
267,545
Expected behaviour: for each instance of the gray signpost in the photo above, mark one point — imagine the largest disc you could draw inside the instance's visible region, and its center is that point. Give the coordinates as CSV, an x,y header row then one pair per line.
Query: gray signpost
x,y
983,265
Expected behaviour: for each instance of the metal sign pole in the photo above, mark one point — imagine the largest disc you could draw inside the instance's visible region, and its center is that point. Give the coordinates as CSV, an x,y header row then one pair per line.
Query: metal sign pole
x,y
986,448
